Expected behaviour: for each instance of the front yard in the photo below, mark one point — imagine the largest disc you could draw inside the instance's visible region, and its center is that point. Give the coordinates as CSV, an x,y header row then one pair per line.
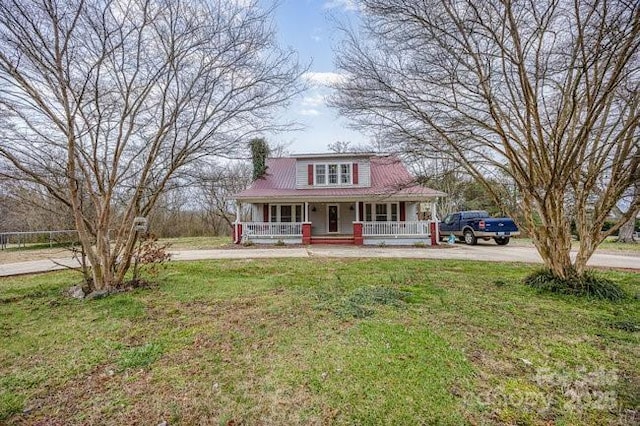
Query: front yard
x,y
319,342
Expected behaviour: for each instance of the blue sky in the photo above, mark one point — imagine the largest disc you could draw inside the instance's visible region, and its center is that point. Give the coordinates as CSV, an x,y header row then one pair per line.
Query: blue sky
x,y
307,27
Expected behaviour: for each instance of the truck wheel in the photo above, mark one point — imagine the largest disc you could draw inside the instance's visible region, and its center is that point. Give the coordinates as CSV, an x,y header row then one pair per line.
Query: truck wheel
x,y
502,241
469,238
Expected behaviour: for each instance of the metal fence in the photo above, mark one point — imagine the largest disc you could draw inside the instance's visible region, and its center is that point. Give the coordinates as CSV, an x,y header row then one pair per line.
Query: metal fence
x,y
21,239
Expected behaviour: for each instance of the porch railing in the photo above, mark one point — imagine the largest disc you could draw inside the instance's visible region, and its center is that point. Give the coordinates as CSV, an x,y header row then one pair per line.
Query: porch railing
x,y
268,229
395,228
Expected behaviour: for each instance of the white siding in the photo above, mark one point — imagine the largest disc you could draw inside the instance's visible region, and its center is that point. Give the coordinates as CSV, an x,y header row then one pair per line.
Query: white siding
x,y
347,217
364,172
256,212
318,218
412,211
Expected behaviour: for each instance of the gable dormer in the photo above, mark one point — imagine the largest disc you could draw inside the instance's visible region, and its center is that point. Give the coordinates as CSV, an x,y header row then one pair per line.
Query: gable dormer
x,y
349,170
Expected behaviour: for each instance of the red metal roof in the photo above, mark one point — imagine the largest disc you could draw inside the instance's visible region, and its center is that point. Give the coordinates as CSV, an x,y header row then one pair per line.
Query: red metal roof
x,y
389,178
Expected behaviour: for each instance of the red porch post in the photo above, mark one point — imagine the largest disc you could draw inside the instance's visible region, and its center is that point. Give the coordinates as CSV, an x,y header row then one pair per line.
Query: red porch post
x,y
433,230
237,233
357,233
306,233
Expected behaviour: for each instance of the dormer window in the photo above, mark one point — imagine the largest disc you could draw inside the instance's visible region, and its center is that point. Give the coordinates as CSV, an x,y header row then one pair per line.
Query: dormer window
x,y
345,173
333,174
321,174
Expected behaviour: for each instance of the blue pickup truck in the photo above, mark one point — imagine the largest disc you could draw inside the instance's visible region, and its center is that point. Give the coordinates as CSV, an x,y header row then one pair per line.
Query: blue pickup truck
x,y
470,225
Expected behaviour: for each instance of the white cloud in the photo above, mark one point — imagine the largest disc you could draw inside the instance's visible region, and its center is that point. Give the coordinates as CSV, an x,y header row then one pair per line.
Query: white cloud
x,y
323,78
310,112
316,34
315,100
350,5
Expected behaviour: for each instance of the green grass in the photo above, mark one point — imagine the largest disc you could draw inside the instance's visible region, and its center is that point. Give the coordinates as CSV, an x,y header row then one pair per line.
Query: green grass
x,y
196,243
316,341
609,244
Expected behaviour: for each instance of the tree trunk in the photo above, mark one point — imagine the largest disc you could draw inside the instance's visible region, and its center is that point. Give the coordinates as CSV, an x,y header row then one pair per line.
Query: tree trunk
x,y
626,232
554,246
552,237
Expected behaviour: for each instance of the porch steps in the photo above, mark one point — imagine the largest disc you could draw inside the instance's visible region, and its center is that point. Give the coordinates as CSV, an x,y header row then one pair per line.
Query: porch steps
x,y
333,240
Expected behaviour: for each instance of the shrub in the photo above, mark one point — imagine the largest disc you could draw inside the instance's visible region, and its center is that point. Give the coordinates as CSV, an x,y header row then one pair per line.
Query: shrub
x,y
149,257
590,284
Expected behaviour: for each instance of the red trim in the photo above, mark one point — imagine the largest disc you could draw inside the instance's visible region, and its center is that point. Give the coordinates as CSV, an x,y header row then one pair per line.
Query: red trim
x,y
355,173
310,174
361,210
403,211
265,212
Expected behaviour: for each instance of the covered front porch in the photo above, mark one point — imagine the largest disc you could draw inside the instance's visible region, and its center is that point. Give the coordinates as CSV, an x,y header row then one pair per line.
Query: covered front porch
x,y
380,222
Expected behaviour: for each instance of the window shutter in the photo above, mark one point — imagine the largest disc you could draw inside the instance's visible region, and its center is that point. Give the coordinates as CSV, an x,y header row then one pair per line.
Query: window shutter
x,y
403,213
310,174
354,169
265,212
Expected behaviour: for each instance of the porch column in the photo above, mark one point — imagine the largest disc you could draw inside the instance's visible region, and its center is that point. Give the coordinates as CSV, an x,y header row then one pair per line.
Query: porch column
x,y
237,226
357,211
306,211
306,233
434,229
357,233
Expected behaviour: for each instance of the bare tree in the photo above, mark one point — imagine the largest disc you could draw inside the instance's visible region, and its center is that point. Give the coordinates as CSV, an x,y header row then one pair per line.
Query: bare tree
x,y
545,92
102,103
341,147
217,184
626,233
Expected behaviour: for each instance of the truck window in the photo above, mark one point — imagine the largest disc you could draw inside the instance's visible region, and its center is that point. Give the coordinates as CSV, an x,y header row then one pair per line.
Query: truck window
x,y
448,220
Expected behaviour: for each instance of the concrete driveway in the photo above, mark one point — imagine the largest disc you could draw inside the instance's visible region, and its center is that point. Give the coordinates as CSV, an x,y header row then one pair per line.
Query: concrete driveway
x,y
490,253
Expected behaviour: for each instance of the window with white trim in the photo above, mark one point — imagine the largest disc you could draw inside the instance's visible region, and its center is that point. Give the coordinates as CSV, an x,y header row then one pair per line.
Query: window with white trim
x,y
381,212
332,174
345,173
321,174
285,213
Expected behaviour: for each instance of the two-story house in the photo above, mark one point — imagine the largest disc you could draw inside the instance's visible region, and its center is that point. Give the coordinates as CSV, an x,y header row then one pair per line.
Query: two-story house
x,y
349,198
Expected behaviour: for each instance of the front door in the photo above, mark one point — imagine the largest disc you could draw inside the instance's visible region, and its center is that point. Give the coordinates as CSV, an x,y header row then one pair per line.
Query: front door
x,y
332,217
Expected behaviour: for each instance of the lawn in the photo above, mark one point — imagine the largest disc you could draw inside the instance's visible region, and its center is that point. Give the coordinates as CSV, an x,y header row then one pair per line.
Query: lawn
x,y
196,243
319,342
609,244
